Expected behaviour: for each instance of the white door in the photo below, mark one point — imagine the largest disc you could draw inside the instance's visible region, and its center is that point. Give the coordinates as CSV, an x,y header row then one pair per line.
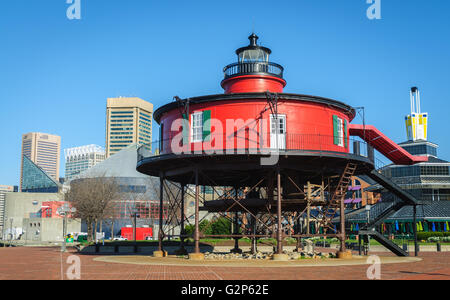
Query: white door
x,y
278,132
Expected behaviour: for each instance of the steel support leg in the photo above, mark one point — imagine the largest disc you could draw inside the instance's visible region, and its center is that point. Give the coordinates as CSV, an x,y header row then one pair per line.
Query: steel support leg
x,y
197,215
236,231
416,245
298,231
279,229
182,250
236,227
253,226
161,208
342,217
359,244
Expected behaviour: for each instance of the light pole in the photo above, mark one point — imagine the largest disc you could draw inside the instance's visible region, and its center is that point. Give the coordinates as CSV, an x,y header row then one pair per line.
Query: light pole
x,y
10,231
63,211
368,208
3,231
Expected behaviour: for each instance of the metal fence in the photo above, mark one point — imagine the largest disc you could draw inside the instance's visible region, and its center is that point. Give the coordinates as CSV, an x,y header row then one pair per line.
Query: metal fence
x,y
254,67
246,143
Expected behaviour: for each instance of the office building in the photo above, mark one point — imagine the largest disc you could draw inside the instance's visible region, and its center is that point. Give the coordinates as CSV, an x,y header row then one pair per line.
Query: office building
x,y
43,150
128,121
3,190
82,158
33,217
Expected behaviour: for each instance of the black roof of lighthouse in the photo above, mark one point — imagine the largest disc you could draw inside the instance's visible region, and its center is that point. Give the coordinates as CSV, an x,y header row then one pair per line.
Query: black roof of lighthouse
x,y
253,45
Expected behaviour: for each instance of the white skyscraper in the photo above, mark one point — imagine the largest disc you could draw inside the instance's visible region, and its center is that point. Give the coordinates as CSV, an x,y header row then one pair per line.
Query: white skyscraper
x,y
79,159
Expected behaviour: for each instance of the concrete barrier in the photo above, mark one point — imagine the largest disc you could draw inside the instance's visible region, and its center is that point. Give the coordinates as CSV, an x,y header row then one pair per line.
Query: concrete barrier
x,y
88,250
126,250
106,250
146,250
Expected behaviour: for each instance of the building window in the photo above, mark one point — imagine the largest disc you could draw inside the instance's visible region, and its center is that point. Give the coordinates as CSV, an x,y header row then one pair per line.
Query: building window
x,y
338,131
197,127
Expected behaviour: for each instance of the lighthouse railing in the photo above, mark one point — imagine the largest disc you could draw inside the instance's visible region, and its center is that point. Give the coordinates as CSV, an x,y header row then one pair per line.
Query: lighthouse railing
x,y
246,143
246,68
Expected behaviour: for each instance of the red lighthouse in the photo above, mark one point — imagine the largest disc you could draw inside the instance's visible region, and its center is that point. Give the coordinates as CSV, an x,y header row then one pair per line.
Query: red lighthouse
x,y
253,72
268,155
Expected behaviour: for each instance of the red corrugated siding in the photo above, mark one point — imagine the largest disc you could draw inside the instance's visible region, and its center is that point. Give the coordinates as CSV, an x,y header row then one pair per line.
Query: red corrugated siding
x,y
309,125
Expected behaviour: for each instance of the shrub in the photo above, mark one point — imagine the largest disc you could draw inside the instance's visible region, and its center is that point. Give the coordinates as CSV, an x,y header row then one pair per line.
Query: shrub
x,y
189,229
221,226
435,239
423,236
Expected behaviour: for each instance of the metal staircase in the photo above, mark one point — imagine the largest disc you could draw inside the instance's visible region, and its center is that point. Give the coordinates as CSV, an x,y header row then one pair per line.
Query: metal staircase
x,y
384,241
392,187
401,199
333,206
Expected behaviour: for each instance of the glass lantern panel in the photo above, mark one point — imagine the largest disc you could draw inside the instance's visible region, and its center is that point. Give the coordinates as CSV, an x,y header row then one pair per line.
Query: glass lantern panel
x,y
253,55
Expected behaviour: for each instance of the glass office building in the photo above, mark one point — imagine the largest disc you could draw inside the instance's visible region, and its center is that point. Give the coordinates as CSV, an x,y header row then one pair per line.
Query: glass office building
x,y
42,149
35,179
128,121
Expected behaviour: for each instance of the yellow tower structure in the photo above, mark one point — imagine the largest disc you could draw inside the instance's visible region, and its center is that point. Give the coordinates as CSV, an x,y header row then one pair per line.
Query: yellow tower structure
x,y
416,122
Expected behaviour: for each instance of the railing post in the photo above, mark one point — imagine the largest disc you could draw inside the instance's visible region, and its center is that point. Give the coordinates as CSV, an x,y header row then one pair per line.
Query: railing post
x,y
370,153
416,245
357,148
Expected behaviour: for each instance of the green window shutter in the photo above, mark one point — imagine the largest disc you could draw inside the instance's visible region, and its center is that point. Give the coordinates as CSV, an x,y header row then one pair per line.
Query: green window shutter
x,y
345,133
185,130
206,125
335,130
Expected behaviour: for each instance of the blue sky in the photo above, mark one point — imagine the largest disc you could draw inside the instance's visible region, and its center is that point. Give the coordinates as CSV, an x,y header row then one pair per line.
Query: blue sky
x,y
55,73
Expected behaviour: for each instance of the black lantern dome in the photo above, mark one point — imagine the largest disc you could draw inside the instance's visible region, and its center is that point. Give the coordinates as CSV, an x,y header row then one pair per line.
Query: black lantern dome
x,y
253,53
253,59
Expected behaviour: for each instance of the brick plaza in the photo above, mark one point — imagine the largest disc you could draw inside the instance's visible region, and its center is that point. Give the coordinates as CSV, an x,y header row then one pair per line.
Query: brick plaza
x,y
50,264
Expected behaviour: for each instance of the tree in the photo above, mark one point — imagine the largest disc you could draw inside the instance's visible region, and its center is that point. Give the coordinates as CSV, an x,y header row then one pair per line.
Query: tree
x,y
204,228
221,226
93,198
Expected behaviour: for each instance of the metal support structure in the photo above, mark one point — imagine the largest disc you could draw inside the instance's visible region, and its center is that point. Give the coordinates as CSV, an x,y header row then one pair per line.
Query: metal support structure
x,y
279,229
294,206
253,248
161,206
183,105
197,215
272,99
298,230
308,210
236,248
359,245
182,229
342,219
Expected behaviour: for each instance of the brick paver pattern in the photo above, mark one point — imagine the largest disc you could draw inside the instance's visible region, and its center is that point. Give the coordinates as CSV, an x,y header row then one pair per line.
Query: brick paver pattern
x,y
50,264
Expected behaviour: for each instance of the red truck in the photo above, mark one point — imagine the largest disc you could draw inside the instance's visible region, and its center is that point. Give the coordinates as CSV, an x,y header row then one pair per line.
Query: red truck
x,y
142,233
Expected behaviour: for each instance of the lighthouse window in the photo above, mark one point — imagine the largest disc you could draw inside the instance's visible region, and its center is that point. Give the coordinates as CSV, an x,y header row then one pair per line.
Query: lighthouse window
x,y
338,131
197,127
